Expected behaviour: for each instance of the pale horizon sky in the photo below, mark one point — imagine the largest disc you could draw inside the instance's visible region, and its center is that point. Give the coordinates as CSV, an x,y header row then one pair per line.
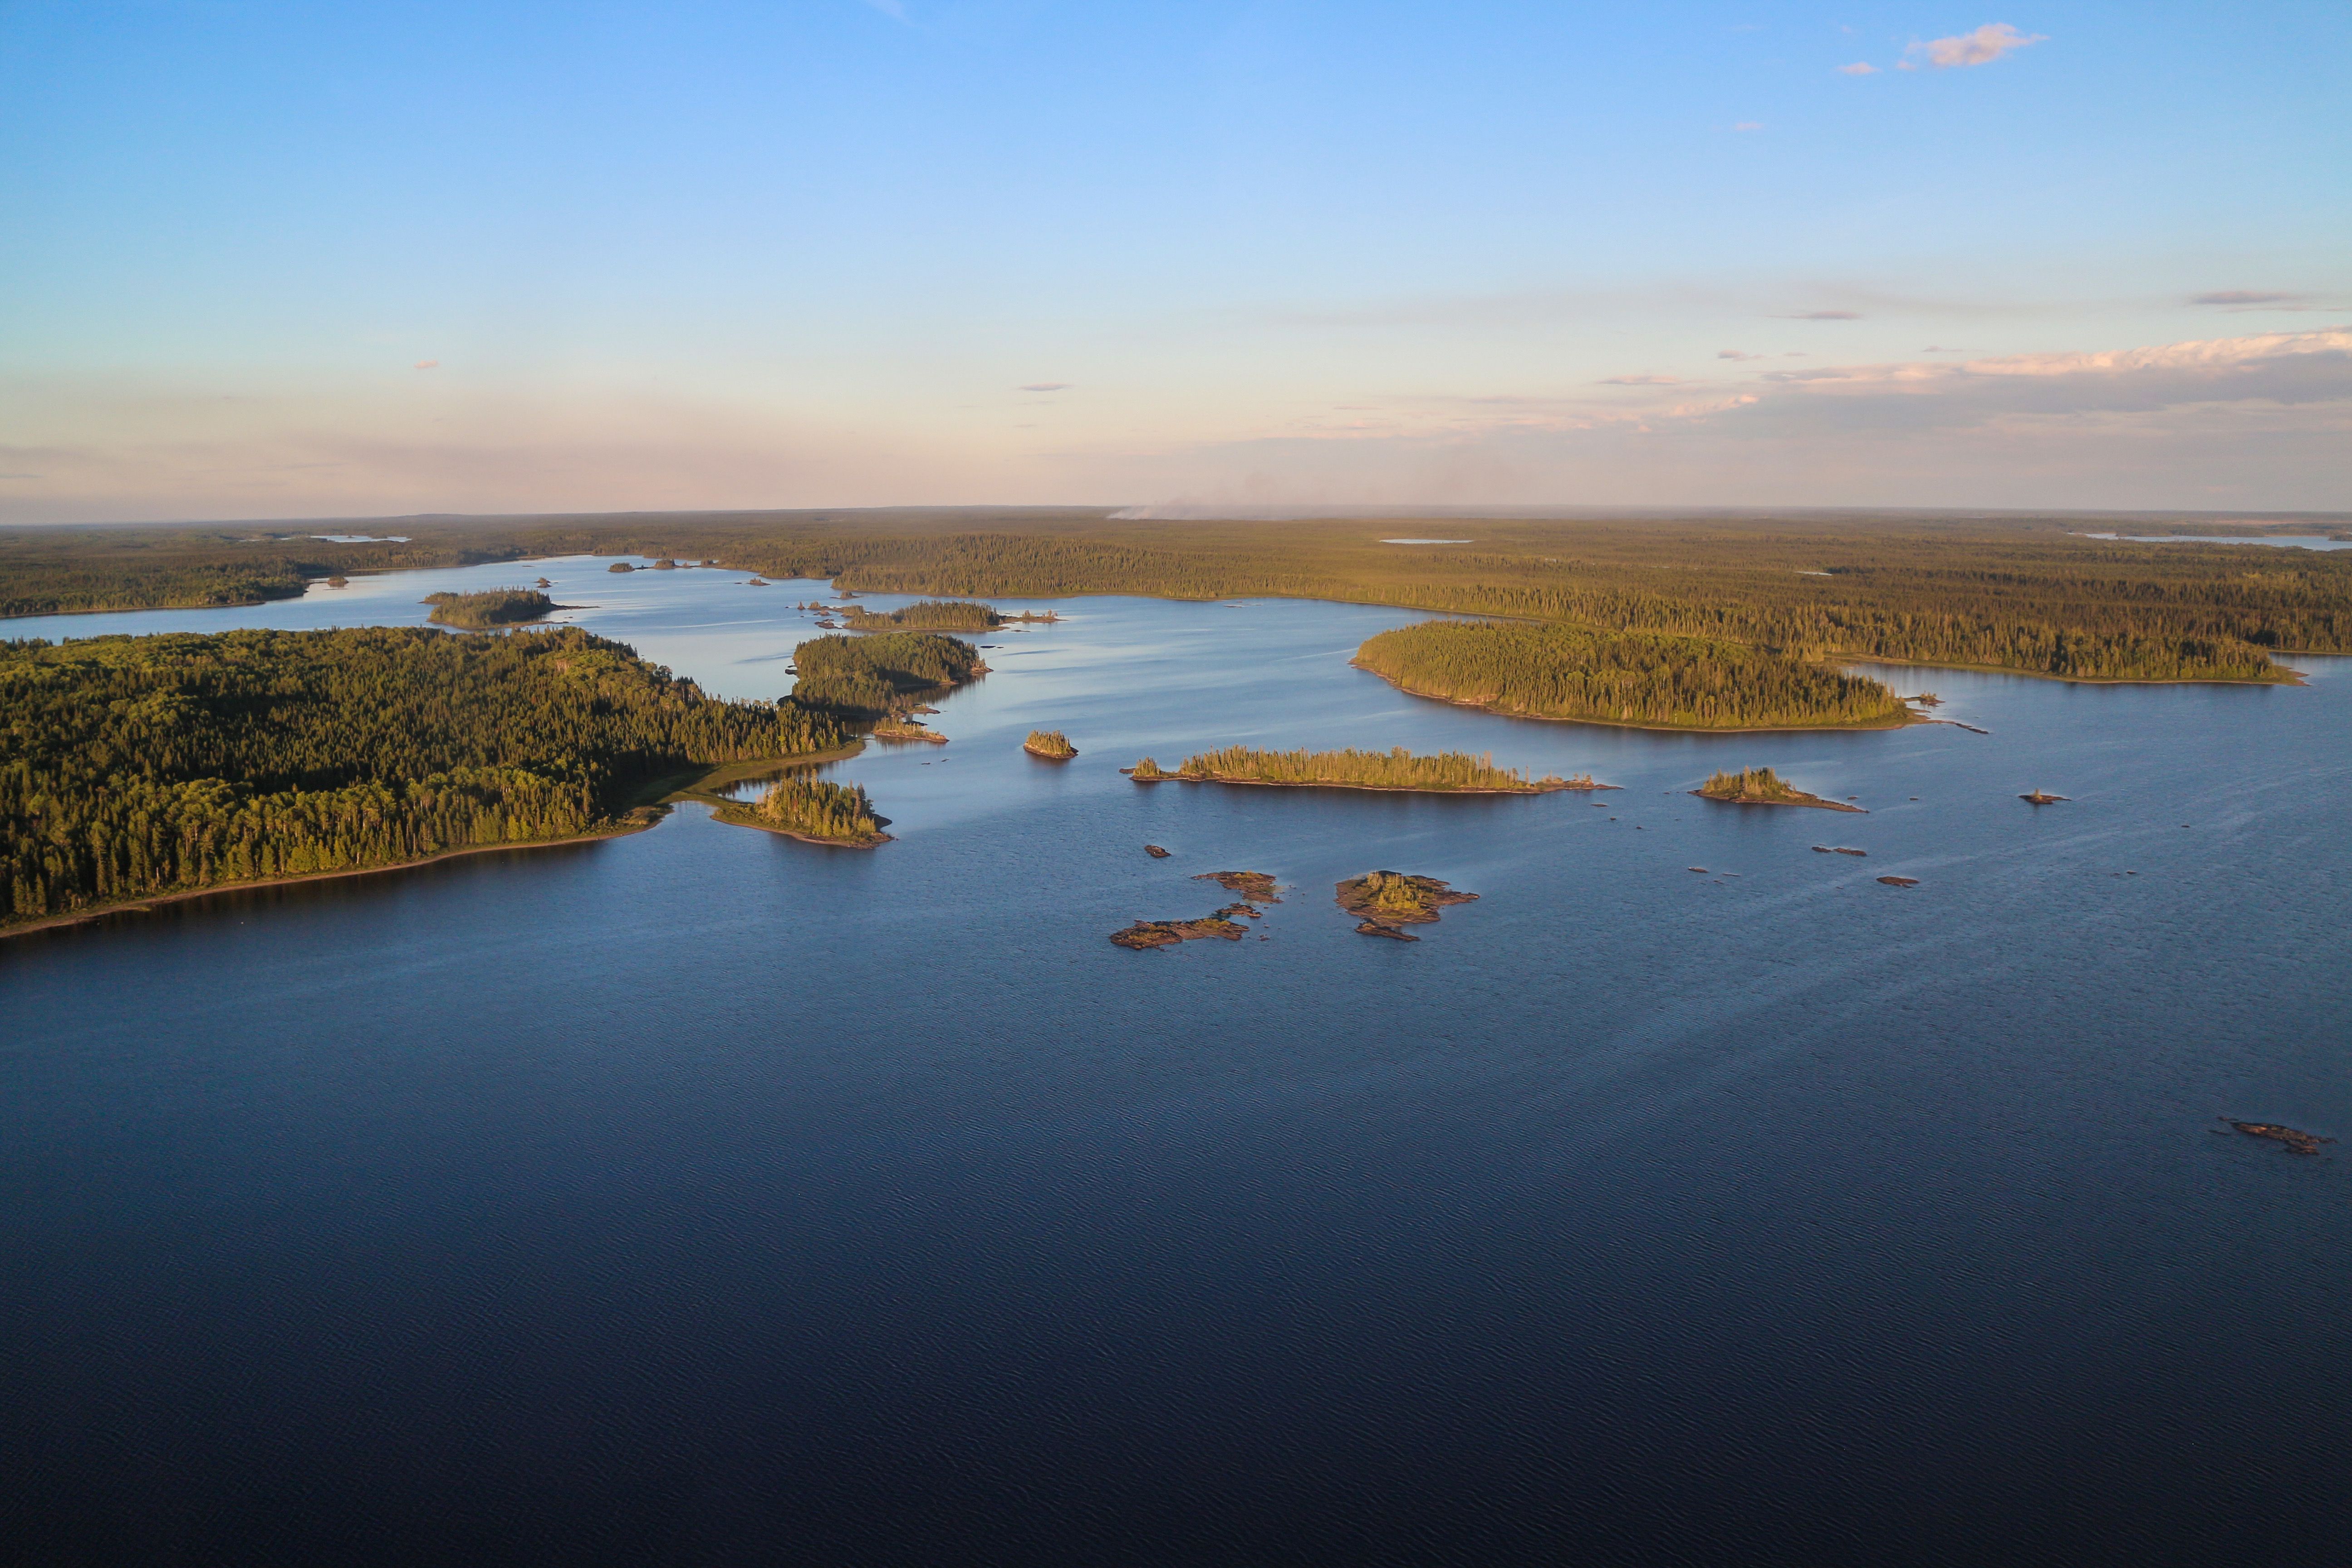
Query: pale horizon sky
x,y
271,260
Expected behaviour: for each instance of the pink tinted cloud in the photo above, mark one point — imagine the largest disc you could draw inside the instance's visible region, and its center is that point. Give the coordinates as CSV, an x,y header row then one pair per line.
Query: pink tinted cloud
x,y
1859,67
428,364
1981,47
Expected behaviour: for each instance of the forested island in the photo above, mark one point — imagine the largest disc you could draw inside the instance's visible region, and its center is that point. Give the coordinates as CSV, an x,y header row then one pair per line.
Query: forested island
x,y
1447,773
814,811
1762,787
133,768
1647,679
1050,744
933,615
877,676
493,607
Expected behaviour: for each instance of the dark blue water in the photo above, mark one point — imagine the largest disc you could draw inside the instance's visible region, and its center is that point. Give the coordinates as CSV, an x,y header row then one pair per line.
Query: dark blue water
x,y
705,1197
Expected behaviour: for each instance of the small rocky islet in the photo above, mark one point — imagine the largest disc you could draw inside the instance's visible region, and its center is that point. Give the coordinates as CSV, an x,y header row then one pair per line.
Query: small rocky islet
x,y
2295,1139
1762,787
1385,901
1255,887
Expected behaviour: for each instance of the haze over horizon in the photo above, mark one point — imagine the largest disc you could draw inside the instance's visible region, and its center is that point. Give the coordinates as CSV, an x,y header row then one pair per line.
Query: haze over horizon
x,y
272,261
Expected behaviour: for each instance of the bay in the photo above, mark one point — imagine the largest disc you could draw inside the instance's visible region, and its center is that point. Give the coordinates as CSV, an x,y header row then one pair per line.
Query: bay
x,y
702,1197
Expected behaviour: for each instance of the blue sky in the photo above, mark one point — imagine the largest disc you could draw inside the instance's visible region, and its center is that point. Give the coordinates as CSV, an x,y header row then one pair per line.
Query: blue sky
x,y
268,259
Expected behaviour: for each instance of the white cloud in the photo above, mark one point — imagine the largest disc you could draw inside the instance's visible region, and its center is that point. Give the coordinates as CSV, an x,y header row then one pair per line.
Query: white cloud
x,y
428,364
1981,47
1859,67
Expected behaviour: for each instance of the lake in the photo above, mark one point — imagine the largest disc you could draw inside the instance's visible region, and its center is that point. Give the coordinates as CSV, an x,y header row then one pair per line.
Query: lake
x,y
703,1197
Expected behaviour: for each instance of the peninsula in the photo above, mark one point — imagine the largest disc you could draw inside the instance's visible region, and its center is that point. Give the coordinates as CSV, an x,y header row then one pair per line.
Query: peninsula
x,y
1639,679
138,769
1447,773
1762,787
1384,901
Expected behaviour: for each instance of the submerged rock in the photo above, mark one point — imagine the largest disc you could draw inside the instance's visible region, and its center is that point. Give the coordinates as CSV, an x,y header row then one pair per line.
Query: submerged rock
x,y
2297,1142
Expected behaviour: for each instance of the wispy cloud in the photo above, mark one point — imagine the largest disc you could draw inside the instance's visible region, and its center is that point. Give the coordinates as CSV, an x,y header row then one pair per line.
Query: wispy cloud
x,y
1734,354
1859,67
428,364
1641,381
1981,47
1043,386
1824,315
2245,296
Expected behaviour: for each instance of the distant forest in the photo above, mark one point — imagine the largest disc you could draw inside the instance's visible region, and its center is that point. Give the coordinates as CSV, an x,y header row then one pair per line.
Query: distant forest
x,y
1997,592
137,766
1553,671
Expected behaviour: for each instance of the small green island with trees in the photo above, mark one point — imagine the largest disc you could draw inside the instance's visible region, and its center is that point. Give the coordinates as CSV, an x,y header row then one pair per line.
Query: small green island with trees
x,y
1644,680
488,609
1446,773
881,675
934,616
1050,744
813,811
1762,787
139,768
1386,901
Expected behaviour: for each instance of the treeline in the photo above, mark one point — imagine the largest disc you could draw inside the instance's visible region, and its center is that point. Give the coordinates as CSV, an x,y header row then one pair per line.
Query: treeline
x,y
492,608
1395,768
876,674
61,570
2006,592
1555,671
136,766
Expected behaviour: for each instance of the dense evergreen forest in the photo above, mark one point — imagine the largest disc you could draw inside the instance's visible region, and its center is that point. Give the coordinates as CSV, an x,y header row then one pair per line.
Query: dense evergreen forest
x,y
1395,769
1555,671
1749,783
1999,592
879,674
492,608
137,766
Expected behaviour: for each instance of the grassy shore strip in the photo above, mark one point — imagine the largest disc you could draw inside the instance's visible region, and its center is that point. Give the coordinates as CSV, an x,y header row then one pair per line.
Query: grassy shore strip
x,y
1636,679
1396,770
1762,787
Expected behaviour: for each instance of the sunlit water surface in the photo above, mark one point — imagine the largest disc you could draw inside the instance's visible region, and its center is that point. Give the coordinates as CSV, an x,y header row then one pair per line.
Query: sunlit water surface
x,y
705,1197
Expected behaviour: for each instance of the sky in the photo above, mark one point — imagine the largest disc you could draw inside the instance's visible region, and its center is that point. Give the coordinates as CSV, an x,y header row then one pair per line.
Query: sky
x,y
264,260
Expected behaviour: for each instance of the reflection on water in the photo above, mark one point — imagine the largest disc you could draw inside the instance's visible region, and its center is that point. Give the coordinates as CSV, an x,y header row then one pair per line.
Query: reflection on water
x,y
703,1196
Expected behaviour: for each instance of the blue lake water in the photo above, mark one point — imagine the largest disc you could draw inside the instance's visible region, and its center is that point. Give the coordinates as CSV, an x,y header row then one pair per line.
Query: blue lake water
x,y
704,1197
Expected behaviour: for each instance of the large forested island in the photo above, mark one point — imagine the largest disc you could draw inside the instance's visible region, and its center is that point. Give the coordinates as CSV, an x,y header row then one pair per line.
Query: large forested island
x,y
132,768
884,674
1447,773
1644,678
